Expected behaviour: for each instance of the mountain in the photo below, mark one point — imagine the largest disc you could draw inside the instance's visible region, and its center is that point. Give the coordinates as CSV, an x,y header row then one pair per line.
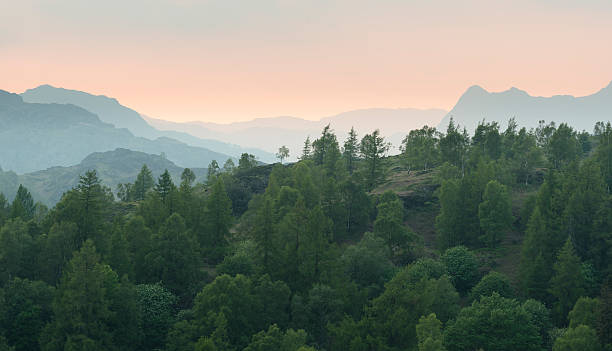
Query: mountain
x,y
36,136
113,167
582,112
109,110
270,133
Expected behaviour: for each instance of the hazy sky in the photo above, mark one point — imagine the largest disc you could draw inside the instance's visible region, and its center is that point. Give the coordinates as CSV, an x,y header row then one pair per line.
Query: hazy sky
x,y
228,60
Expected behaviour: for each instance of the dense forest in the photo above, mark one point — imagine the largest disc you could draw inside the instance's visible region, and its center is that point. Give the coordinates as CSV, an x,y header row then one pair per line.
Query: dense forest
x,y
498,240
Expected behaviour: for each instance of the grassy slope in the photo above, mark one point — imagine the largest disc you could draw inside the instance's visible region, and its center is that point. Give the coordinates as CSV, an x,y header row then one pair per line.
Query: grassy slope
x,y
417,190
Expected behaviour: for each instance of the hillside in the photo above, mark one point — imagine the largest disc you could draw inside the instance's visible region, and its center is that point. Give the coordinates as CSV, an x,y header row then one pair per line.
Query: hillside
x,y
477,104
109,110
113,167
39,136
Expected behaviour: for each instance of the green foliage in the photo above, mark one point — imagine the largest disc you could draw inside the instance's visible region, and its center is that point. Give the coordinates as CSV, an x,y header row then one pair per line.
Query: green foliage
x,y
174,259
157,308
26,310
276,339
493,323
429,333
420,148
373,148
567,284
495,213
217,221
581,338
389,226
16,250
83,307
493,282
454,146
143,183
462,267
283,153
23,204
585,312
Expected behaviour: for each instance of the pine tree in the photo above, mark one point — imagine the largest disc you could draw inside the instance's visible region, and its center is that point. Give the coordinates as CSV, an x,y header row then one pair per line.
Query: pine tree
x,y
265,235
567,284
494,213
165,187
23,204
217,221
351,150
82,307
373,148
144,182
307,149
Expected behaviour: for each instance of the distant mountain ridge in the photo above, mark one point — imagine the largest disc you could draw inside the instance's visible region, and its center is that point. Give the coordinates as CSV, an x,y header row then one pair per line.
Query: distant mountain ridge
x,y
270,133
582,112
35,136
112,167
109,110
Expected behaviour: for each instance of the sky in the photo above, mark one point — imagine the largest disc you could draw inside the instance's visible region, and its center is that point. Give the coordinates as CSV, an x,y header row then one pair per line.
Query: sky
x,y
233,60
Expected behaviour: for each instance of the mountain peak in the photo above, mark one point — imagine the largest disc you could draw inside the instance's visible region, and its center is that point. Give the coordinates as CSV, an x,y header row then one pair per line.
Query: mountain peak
x,y
7,98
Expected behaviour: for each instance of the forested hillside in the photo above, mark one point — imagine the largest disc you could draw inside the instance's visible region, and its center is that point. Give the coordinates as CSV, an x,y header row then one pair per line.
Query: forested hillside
x,y
498,240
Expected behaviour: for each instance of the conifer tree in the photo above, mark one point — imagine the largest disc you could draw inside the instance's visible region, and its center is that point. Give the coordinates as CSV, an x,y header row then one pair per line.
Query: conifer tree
x,y
351,151
217,221
494,213
82,307
23,204
144,182
373,148
567,284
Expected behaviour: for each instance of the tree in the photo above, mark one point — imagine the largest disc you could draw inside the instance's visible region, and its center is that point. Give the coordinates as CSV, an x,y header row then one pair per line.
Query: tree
x,y
229,166
588,196
283,153
581,338
174,259
143,183
264,235
23,204
567,284
389,226
495,213
585,312
373,148
213,171
217,221
307,149
493,323
56,250
604,313
157,306
603,153
454,145
27,308
351,151
490,283
429,333
462,267
165,188
415,291
563,146
16,251
82,307
420,148
246,161
487,140
275,339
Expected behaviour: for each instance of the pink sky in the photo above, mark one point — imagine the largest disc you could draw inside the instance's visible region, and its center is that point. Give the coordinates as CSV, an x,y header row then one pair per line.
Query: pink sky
x,y
230,60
